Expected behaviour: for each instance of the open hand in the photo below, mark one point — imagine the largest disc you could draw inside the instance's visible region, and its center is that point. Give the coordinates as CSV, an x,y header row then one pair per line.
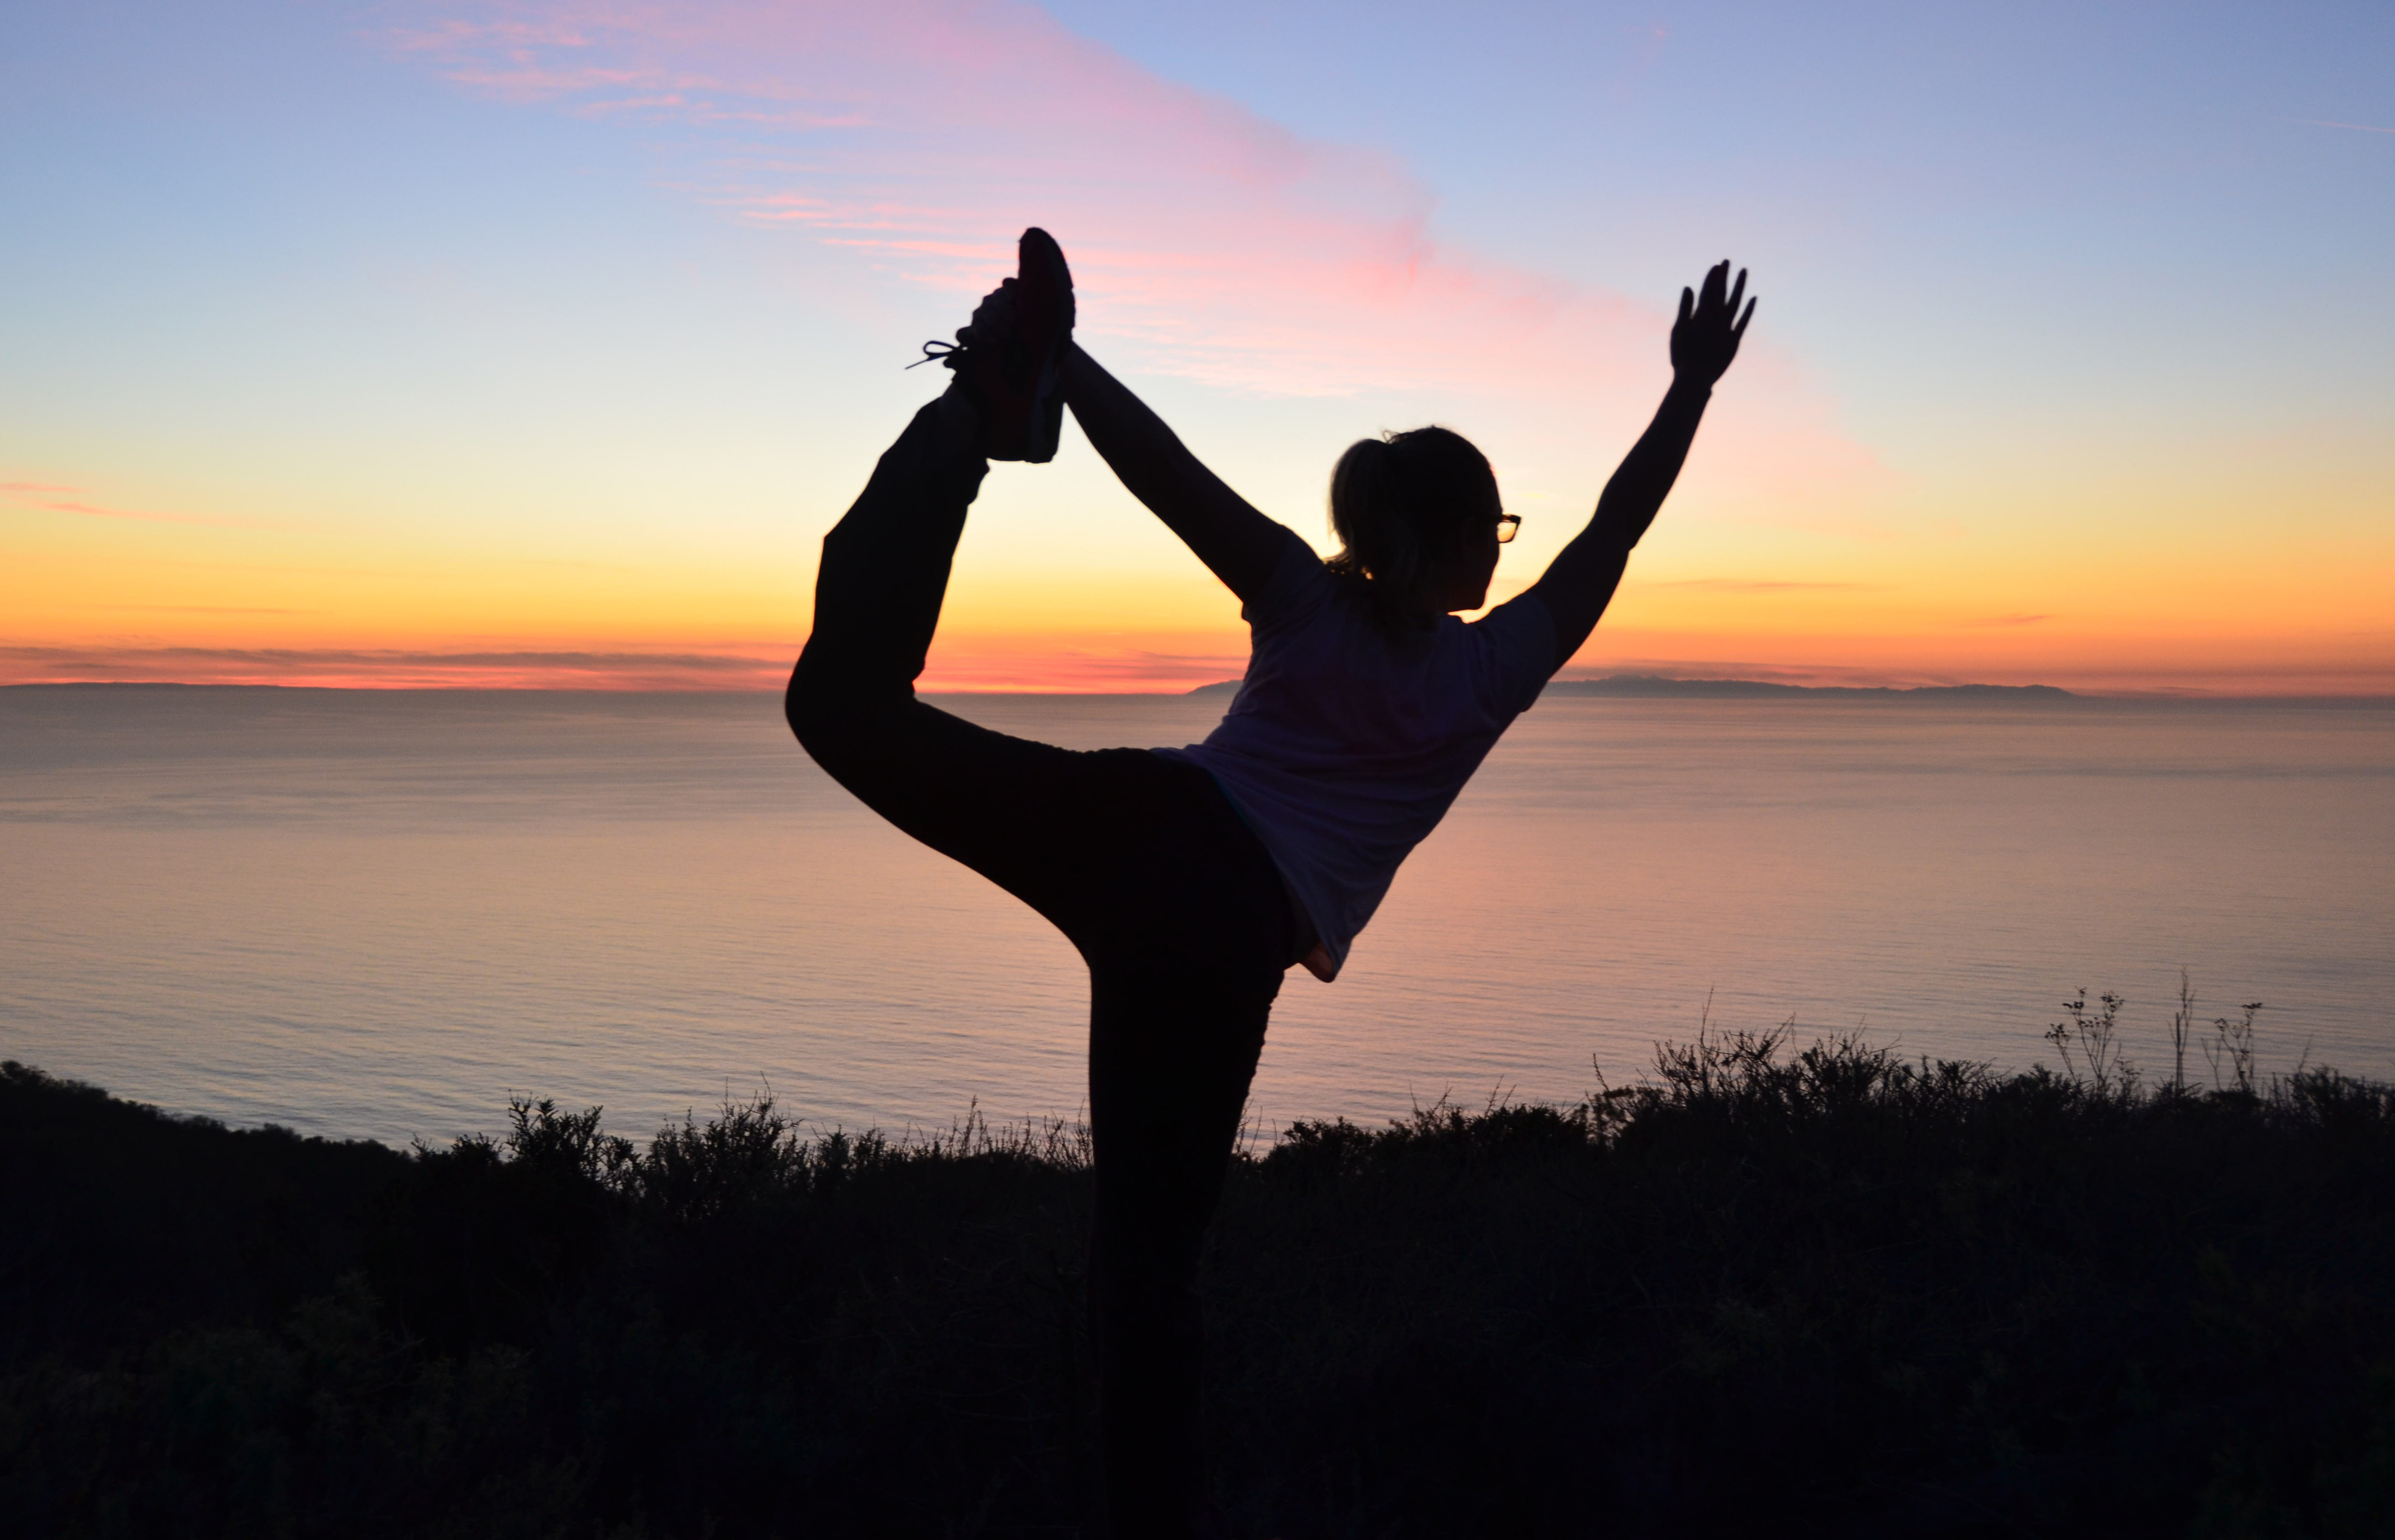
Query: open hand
x,y
1705,337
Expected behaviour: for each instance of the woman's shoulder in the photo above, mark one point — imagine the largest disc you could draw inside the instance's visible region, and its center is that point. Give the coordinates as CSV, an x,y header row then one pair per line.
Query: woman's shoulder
x,y
1515,644
1300,583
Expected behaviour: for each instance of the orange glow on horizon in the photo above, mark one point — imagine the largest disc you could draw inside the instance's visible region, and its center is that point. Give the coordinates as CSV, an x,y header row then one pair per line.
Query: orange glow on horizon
x,y
1115,662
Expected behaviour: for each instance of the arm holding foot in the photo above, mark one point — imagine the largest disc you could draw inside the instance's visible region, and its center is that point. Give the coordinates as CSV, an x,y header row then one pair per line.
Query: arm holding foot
x,y
1240,545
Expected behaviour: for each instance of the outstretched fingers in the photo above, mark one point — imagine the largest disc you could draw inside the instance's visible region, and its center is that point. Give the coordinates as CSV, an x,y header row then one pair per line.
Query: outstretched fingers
x,y
1721,296
1712,319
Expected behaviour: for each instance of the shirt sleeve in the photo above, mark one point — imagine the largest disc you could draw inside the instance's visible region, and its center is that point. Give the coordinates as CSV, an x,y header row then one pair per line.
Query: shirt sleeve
x,y
1299,585
1518,642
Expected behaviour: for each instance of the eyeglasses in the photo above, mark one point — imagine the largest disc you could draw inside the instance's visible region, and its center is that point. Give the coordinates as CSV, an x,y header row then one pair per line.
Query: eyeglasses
x,y
1508,526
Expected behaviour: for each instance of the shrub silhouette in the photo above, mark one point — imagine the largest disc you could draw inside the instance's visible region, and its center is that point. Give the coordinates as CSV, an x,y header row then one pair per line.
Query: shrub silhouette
x,y
1818,1290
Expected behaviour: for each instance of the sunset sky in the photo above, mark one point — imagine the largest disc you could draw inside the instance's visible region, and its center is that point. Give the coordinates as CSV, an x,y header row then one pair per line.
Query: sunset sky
x,y
539,344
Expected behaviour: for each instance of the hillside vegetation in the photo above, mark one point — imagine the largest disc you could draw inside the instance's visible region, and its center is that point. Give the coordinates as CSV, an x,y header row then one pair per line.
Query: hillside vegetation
x,y
1815,1292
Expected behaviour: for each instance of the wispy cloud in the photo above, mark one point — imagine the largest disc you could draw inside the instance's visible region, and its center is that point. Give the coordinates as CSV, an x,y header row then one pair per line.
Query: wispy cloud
x,y
1749,585
2357,127
191,609
1038,663
392,668
92,510
37,494
922,134
1057,665
1206,241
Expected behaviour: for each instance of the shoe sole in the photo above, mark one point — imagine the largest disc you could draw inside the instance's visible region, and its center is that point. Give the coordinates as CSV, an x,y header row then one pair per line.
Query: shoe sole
x,y
1037,254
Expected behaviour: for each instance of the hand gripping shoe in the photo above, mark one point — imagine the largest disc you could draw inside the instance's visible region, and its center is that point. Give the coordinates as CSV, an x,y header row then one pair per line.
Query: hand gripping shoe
x,y
1013,354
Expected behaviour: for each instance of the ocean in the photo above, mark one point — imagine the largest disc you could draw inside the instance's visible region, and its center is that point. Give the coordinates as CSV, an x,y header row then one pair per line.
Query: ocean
x,y
381,914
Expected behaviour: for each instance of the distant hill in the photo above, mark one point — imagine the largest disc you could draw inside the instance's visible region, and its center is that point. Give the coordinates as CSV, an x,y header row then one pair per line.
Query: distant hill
x,y
1656,685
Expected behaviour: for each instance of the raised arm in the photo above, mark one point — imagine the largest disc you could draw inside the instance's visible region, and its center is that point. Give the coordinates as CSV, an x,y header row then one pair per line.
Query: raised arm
x,y
1578,584
1240,545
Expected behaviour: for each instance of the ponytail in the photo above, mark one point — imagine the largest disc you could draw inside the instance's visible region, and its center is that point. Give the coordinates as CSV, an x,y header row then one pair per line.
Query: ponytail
x,y
1397,503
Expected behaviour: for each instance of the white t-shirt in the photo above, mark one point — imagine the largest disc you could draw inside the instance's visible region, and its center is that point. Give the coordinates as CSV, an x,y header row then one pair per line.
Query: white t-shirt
x,y
1347,744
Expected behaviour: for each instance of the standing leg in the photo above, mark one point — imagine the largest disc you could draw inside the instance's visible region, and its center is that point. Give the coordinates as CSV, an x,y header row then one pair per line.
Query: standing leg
x,y
1168,1074
1179,997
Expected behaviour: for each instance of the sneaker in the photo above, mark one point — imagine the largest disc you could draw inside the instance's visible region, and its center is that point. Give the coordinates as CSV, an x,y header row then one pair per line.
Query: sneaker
x,y
1011,356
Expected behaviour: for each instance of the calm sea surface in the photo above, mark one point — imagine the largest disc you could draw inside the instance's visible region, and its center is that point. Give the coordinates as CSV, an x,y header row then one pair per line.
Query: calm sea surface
x,y
380,913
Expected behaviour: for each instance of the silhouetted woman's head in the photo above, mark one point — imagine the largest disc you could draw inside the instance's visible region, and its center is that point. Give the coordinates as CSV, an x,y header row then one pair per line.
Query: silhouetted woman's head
x,y
1416,515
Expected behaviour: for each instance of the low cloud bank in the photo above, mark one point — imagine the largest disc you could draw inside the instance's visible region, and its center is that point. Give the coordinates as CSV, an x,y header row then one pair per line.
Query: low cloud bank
x,y
391,668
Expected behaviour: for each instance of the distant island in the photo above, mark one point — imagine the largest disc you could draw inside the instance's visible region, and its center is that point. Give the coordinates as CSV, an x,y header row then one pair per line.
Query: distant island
x,y
1656,685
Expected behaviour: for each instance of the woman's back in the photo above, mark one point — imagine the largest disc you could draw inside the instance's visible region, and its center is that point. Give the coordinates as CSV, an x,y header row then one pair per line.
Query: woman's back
x,y
1349,740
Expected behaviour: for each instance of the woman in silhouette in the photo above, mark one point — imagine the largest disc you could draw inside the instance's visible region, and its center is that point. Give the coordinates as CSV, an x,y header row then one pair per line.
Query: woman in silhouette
x,y
1191,879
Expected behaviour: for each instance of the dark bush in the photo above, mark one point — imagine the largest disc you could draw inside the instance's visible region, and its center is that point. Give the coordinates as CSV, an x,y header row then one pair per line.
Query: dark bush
x,y
1827,1292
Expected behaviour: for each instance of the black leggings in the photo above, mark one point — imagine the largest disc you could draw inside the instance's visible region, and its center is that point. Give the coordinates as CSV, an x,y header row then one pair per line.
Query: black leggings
x,y
1145,867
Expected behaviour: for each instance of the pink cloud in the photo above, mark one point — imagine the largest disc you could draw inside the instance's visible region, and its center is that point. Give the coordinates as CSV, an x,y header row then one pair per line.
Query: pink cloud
x,y
1038,665
193,610
1208,242
1049,664
926,132
1749,585
36,493
387,669
91,511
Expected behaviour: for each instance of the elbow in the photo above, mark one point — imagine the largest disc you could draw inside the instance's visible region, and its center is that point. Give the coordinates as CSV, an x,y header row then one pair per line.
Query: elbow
x,y
815,705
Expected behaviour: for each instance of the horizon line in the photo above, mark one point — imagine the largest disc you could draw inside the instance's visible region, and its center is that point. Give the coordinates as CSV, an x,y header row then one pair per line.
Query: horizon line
x,y
2165,694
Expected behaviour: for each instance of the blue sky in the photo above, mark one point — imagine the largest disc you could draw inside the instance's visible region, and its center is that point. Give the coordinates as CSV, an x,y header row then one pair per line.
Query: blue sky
x,y
474,351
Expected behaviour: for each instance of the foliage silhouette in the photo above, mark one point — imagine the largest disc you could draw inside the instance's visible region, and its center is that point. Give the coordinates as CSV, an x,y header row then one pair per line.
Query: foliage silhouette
x,y
1821,1291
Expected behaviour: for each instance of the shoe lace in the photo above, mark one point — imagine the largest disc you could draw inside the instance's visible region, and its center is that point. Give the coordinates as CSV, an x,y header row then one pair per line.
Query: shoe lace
x,y
942,353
